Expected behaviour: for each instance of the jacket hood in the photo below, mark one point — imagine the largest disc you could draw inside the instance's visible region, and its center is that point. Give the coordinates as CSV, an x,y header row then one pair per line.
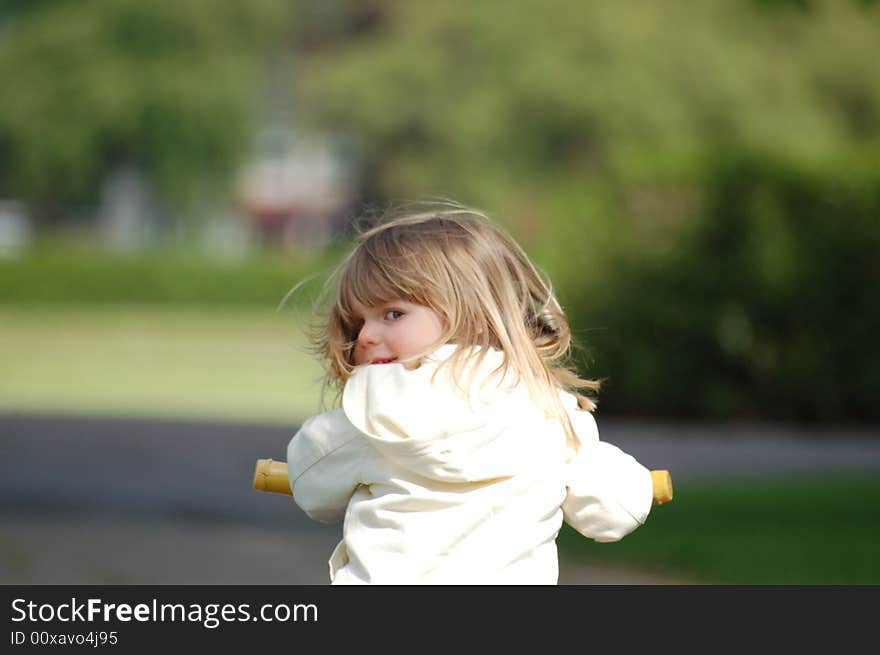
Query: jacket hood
x,y
483,429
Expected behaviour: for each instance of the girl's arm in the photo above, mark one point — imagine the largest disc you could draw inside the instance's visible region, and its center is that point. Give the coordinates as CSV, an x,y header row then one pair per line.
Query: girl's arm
x,y
324,464
609,493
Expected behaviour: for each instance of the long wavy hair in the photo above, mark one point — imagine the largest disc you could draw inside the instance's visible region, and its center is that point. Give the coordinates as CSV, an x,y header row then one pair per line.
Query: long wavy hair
x,y
481,284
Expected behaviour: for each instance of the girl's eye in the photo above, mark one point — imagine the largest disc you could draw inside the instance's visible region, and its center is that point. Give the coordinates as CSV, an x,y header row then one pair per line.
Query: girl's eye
x,y
393,315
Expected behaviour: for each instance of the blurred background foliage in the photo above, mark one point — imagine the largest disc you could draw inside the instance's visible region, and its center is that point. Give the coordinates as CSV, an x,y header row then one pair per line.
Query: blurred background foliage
x,y
700,180
168,86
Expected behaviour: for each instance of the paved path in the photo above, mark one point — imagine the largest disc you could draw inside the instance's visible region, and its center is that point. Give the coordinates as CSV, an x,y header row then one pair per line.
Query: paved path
x,y
126,501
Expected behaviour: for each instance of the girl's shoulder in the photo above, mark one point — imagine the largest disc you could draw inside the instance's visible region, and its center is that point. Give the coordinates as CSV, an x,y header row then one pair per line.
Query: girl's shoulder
x,y
582,421
435,399
318,436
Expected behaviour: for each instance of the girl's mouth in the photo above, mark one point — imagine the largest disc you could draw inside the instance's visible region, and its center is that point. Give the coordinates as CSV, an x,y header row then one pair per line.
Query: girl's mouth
x,y
387,360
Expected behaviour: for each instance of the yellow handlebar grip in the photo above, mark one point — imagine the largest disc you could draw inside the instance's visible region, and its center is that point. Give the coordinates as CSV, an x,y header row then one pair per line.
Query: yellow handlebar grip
x,y
272,476
662,482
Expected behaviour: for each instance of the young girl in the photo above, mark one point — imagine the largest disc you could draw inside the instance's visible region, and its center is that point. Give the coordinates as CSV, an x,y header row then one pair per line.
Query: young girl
x,y
462,441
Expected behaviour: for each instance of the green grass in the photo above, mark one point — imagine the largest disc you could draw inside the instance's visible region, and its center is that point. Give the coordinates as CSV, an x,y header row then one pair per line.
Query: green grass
x,y
251,364
788,531
186,362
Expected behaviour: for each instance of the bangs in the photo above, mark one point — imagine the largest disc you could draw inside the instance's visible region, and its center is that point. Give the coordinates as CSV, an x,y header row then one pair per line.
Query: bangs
x,y
370,279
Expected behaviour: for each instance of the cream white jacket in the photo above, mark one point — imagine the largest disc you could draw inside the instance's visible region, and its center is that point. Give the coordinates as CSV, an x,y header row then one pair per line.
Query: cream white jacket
x,y
436,486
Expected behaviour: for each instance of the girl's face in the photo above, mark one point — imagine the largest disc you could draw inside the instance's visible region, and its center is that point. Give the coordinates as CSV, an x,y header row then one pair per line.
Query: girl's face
x,y
394,330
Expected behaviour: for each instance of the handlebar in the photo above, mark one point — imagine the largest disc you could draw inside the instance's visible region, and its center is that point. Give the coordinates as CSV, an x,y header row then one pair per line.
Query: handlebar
x,y
271,475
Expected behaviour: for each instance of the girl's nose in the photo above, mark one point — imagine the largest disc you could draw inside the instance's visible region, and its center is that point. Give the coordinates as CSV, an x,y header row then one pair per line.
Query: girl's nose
x,y
367,335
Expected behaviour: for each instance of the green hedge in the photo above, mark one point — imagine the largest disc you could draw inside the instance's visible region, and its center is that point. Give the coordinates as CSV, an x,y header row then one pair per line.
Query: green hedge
x,y
767,307
60,273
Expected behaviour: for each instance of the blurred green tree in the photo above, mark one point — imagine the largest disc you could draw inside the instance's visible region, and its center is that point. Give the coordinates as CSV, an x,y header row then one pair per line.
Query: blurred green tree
x,y
592,119
467,92
768,307
168,87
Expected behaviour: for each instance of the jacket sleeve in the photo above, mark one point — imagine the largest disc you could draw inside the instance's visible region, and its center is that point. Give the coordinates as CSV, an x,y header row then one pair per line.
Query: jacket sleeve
x,y
609,494
324,463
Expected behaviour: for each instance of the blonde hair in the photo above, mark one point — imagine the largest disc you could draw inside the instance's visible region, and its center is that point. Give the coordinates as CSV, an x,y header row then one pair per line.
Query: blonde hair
x,y
481,284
